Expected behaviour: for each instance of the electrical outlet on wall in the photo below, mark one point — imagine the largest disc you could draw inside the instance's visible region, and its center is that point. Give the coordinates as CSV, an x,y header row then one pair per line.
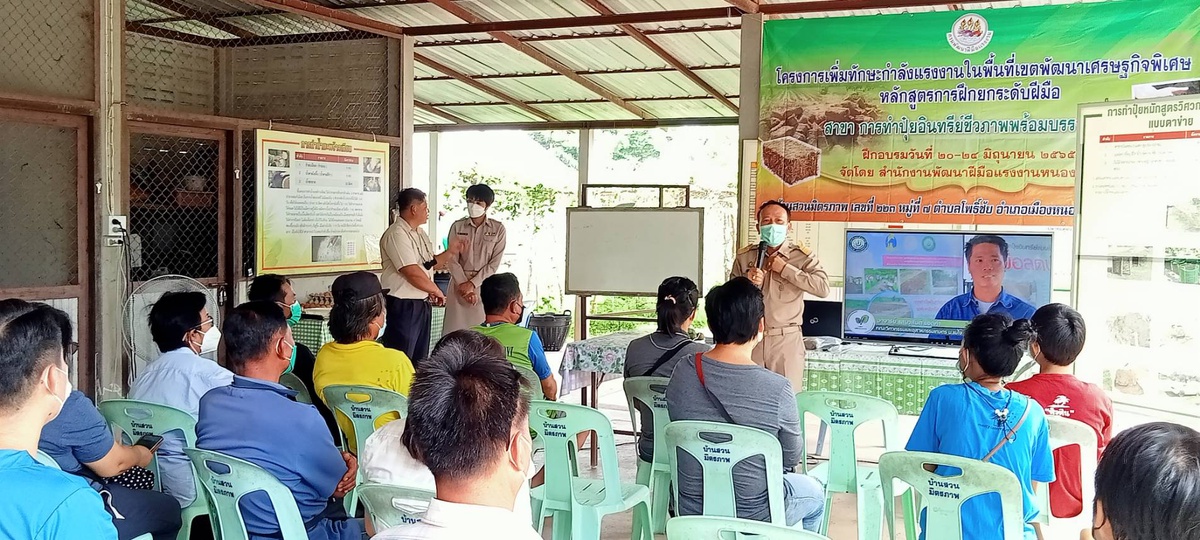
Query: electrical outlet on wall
x,y
116,226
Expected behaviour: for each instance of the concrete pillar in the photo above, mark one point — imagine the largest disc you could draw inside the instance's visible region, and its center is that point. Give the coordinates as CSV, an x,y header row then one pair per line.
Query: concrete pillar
x,y
748,104
584,168
111,199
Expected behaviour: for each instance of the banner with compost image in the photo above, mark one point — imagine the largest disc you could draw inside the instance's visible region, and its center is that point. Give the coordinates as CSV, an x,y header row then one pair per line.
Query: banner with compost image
x,y
955,117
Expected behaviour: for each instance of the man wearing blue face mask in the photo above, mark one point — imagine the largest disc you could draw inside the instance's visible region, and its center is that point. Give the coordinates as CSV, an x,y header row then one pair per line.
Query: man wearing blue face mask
x,y
785,272
278,289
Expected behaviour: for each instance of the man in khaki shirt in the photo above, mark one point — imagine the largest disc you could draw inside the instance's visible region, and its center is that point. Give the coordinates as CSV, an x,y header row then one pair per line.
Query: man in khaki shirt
x,y
480,259
408,264
787,273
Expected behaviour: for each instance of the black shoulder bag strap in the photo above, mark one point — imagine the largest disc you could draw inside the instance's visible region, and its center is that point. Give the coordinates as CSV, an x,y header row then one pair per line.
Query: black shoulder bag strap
x,y
711,397
666,356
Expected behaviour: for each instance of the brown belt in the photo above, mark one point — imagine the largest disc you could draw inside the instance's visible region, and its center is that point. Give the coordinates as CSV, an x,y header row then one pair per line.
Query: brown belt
x,y
783,330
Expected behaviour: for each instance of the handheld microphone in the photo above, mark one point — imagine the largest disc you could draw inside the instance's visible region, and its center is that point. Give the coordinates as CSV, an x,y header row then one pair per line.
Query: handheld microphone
x,y
762,253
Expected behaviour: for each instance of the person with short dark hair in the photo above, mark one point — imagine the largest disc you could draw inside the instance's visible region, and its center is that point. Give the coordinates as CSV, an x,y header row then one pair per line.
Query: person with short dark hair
x,y
656,354
726,385
1148,485
258,420
1059,334
184,330
356,322
485,240
787,272
468,422
505,307
981,419
37,501
408,265
278,288
987,258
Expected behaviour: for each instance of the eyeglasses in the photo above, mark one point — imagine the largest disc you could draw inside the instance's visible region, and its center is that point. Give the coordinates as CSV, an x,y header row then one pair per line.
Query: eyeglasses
x,y
201,325
72,350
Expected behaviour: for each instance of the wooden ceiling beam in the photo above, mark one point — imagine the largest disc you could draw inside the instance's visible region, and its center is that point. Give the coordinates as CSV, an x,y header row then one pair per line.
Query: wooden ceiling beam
x,y
477,25
670,59
469,81
342,18
747,6
348,35
203,18
584,73
529,50
431,109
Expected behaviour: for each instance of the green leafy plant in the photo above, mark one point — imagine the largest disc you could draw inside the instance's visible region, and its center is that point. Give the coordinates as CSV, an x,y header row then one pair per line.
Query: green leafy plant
x,y
513,200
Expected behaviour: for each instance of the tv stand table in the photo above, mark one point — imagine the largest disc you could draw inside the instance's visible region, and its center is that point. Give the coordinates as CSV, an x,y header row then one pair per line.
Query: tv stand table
x,y
871,370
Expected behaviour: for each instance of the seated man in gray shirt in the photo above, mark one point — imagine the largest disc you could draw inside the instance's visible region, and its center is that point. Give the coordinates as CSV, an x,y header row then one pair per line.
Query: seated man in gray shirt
x,y
749,395
655,355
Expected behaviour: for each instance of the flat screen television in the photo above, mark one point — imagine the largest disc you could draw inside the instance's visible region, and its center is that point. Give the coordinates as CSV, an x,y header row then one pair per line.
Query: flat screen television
x,y
925,286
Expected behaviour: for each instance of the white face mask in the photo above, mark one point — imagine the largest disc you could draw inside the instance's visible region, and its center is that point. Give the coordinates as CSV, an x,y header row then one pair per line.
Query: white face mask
x,y
62,401
212,338
475,210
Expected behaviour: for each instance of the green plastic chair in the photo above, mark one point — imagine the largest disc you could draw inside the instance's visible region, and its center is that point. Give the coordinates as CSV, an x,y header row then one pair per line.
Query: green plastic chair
x,y
723,528
136,418
292,382
943,496
1066,432
390,505
577,504
45,459
737,443
650,392
227,479
844,413
362,415
535,383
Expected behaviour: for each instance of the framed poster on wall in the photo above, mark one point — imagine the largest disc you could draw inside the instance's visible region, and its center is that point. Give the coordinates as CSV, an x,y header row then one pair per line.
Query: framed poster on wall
x,y
322,203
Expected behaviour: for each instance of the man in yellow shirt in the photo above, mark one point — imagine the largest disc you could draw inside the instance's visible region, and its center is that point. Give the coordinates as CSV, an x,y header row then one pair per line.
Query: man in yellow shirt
x,y
354,356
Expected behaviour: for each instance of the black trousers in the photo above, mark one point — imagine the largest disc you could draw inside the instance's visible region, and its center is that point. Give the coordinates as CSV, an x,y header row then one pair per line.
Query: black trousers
x,y
142,511
408,329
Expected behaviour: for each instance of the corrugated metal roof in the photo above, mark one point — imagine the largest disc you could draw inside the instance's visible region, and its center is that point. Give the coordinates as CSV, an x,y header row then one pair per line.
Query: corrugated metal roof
x,y
485,59
541,88
585,112
448,92
703,48
423,117
648,85
602,54
692,108
491,114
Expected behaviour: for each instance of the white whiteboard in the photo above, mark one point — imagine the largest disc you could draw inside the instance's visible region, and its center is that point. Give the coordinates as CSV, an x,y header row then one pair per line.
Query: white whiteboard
x,y
629,251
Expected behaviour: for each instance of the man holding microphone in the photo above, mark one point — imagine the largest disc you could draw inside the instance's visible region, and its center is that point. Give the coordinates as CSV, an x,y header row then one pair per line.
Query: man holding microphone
x,y
784,272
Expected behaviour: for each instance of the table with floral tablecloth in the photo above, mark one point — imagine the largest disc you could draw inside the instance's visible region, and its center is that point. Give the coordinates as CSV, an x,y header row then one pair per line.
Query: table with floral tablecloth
x,y
871,370
602,355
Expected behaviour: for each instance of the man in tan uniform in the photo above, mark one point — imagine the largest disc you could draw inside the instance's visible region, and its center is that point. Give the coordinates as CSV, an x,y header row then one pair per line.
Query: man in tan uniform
x,y
480,259
787,272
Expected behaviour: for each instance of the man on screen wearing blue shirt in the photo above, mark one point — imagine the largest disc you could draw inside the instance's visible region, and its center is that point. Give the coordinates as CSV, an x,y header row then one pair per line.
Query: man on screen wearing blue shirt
x,y
37,501
987,257
257,419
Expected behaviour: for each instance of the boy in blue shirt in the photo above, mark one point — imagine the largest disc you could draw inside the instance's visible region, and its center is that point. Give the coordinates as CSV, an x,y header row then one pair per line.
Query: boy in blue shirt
x,y
37,501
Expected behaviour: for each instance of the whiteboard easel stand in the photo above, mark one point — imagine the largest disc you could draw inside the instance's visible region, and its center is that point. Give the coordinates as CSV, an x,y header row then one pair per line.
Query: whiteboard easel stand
x,y
592,398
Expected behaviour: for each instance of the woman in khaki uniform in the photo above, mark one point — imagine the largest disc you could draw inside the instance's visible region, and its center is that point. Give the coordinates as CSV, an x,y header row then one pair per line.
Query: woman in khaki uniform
x,y
480,258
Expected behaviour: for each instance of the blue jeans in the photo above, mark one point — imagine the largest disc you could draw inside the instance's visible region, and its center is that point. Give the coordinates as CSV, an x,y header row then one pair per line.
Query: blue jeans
x,y
803,501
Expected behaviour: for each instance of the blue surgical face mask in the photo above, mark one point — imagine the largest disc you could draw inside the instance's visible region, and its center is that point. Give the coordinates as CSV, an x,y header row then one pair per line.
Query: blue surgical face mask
x,y
774,234
382,328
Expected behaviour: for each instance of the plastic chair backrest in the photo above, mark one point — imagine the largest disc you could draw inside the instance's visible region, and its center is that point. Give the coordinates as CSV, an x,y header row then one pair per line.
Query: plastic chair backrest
x,y
391,505
1067,432
557,424
723,528
535,383
651,392
292,382
943,496
844,412
45,459
233,479
718,447
363,414
137,418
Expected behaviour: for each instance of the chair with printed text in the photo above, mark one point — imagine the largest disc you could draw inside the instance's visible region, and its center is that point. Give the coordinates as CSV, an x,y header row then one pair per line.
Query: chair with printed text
x,y
137,418
1065,432
650,392
227,479
362,405
844,413
724,528
724,446
390,505
943,496
577,505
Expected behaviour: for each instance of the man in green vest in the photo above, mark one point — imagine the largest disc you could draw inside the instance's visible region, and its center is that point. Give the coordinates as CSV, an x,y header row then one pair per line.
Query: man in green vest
x,y
503,306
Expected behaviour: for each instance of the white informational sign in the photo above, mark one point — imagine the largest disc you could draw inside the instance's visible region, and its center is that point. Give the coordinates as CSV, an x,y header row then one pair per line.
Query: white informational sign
x,y
1138,250
322,203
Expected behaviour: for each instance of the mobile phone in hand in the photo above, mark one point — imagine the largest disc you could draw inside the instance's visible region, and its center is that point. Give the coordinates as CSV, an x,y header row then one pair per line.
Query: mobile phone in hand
x,y
151,442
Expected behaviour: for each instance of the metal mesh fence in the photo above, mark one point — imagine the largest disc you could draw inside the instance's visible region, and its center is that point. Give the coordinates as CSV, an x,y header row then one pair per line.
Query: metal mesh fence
x,y
47,48
39,184
174,199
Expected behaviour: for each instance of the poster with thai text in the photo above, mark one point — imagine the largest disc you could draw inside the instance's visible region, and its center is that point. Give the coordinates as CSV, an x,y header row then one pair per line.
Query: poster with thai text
x,y
955,117
322,203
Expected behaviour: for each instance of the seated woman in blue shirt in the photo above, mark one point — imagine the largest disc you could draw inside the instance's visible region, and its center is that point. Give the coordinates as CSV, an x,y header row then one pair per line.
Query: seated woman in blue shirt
x,y
980,416
37,501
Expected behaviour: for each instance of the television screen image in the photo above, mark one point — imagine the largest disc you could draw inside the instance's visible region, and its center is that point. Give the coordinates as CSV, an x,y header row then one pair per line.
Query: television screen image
x,y
926,286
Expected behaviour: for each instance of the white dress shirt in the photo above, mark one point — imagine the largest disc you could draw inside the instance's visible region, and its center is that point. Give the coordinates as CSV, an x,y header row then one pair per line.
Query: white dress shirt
x,y
178,379
452,521
403,245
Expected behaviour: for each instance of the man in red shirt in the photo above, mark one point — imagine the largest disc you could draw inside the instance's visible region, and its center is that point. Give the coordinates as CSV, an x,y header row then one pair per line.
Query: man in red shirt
x,y
1060,336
